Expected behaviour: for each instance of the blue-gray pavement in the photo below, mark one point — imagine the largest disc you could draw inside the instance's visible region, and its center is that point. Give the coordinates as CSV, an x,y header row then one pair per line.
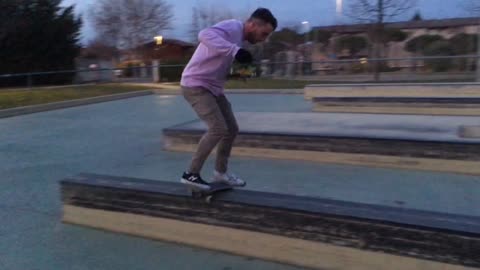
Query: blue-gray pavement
x,y
120,138
401,127
124,138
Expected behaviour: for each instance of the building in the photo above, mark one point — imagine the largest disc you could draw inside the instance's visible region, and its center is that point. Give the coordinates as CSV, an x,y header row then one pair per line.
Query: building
x,y
444,27
169,51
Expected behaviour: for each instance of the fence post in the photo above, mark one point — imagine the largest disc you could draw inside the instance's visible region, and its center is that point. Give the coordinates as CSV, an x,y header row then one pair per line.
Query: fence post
x,y
29,80
156,71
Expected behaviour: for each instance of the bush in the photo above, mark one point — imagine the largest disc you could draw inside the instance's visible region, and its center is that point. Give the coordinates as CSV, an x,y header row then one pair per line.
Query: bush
x,y
439,48
171,73
358,68
419,44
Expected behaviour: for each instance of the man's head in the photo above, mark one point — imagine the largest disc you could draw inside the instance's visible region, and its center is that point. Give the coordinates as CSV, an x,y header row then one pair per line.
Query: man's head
x,y
259,26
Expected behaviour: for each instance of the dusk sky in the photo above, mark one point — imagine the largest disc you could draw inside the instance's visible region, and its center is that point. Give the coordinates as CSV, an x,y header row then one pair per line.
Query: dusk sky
x,y
288,12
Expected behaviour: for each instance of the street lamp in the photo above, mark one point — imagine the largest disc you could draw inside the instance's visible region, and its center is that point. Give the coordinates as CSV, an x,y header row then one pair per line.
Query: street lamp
x,y
339,7
306,29
159,40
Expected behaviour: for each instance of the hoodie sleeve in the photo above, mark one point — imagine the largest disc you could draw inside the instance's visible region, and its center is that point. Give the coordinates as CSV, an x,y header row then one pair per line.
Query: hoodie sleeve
x,y
216,38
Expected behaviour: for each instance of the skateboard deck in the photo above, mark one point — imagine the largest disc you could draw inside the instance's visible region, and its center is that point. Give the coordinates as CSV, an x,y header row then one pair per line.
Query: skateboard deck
x,y
208,195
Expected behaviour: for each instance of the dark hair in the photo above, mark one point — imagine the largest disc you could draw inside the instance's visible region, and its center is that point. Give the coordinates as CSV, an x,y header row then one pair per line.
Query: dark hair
x,y
265,15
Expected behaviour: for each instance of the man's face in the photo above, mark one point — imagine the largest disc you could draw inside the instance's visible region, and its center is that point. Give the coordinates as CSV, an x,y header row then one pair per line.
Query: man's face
x,y
258,31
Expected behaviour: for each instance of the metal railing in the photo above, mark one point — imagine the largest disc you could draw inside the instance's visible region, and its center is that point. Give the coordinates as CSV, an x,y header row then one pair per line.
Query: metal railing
x,y
462,68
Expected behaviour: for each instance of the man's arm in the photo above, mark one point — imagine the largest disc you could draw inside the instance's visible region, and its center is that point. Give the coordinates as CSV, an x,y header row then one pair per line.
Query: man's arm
x,y
214,38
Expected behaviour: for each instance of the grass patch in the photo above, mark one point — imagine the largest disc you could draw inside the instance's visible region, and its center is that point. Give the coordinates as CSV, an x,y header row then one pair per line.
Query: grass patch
x,y
17,98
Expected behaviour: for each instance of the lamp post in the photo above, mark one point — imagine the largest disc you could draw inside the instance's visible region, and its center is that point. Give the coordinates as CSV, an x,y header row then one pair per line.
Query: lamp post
x,y
306,27
156,62
339,10
159,40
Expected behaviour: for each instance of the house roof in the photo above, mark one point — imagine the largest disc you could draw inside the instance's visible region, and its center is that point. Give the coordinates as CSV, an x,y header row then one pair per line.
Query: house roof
x,y
167,41
429,24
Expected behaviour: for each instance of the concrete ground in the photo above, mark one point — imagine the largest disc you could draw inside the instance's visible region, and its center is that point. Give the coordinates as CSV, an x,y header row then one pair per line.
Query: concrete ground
x,y
124,138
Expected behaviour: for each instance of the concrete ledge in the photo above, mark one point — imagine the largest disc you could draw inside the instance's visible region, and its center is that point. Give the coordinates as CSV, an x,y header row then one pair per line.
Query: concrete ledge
x,y
399,105
469,132
303,231
393,90
429,143
70,103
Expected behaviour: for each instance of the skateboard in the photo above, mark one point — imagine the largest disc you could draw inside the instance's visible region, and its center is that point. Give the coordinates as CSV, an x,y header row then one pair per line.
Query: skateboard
x,y
208,195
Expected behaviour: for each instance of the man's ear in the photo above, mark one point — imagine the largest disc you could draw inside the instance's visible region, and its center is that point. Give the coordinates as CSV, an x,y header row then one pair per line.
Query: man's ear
x,y
251,24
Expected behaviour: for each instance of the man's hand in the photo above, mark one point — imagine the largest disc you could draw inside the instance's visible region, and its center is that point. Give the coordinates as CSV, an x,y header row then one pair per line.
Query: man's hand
x,y
244,57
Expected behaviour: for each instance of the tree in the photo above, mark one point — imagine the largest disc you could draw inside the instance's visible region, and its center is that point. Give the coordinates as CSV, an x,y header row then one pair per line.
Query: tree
x,y
318,36
39,35
376,12
473,6
279,41
436,45
379,11
99,49
204,16
287,35
417,17
418,44
354,44
464,44
393,35
439,48
128,24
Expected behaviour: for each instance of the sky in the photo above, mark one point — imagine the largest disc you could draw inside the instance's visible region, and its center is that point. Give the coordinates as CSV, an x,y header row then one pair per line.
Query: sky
x,y
288,12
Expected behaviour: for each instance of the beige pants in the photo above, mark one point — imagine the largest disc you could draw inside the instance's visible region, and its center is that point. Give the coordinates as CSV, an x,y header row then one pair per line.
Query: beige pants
x,y
217,114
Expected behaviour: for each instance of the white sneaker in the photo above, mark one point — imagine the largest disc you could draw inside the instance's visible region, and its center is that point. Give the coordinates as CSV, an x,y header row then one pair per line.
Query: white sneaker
x,y
230,179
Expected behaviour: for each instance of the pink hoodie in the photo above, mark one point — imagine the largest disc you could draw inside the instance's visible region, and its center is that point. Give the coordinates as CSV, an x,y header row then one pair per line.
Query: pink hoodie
x,y
212,60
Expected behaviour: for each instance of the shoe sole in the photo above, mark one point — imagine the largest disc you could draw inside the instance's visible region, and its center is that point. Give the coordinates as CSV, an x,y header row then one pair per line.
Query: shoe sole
x,y
200,186
233,185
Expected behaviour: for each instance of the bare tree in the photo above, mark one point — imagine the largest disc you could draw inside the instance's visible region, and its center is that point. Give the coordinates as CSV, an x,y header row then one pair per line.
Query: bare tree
x,y
473,6
127,24
99,48
376,12
379,11
204,16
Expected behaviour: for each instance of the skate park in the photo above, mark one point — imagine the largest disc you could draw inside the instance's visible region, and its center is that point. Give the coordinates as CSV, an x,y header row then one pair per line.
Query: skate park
x,y
400,196
359,140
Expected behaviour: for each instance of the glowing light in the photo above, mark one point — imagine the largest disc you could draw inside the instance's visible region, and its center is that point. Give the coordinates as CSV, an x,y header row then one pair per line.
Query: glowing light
x,y
159,40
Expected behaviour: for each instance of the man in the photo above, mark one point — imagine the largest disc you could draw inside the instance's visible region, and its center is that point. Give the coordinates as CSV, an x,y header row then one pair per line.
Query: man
x,y
202,85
